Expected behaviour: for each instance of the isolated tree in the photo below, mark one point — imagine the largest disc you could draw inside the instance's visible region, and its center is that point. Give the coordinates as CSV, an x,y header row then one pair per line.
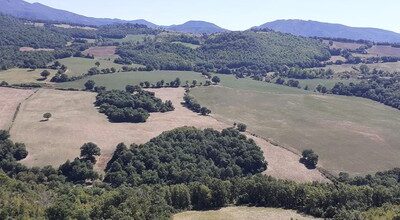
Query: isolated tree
x,y
97,64
241,127
3,83
216,80
89,85
89,151
45,74
47,116
309,159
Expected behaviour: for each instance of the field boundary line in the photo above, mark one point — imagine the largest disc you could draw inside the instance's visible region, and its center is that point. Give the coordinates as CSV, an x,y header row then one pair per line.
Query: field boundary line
x,y
18,109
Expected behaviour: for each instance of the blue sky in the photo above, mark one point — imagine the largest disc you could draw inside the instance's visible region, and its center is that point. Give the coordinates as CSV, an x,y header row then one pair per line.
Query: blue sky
x,y
240,14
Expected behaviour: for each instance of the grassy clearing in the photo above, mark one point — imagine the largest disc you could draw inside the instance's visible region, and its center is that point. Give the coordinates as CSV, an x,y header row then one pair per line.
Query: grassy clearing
x,y
9,101
380,50
239,213
344,45
391,67
359,140
17,75
192,46
328,83
103,51
120,80
78,66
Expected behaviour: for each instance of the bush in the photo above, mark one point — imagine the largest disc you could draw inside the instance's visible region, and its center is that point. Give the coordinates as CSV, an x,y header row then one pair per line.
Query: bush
x,y
241,127
309,159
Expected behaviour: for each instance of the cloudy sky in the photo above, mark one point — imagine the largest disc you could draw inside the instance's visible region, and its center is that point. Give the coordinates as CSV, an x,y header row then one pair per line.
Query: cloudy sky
x,y
240,14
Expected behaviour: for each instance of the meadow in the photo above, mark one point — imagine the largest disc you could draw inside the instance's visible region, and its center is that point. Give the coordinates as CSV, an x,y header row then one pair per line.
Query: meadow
x,y
17,75
120,80
239,213
391,67
133,38
78,66
357,140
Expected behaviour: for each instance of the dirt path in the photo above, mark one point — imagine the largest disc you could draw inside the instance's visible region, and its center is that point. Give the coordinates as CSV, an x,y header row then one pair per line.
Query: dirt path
x,y
76,121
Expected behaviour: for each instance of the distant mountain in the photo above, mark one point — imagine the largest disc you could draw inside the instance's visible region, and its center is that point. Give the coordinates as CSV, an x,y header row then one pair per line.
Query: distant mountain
x,y
319,29
196,27
37,11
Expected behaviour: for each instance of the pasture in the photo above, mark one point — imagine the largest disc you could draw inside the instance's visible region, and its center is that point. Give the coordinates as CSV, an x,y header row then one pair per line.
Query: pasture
x,y
120,80
328,83
344,45
10,99
76,121
359,140
239,213
192,46
17,76
381,50
391,67
133,38
78,66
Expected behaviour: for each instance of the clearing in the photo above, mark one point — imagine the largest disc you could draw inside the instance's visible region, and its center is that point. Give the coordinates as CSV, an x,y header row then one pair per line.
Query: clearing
x,y
76,121
391,67
10,99
17,76
78,66
28,49
104,51
381,50
357,140
120,80
344,45
133,38
241,212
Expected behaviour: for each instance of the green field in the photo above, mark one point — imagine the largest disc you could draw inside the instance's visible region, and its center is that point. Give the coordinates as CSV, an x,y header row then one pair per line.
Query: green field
x,y
17,75
120,80
78,66
328,83
192,46
239,213
350,134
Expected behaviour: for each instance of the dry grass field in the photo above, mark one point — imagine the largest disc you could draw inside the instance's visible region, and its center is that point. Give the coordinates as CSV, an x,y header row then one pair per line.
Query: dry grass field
x,y
28,49
76,121
17,75
359,140
343,45
240,213
71,26
380,50
104,51
391,67
9,102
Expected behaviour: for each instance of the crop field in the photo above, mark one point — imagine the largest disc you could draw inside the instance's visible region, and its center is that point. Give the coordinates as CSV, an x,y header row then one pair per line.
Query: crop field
x,y
239,213
78,66
379,50
17,75
356,140
104,51
120,80
9,101
76,121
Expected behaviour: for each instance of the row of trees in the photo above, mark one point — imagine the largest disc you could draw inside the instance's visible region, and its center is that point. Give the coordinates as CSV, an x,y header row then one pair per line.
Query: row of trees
x,y
193,105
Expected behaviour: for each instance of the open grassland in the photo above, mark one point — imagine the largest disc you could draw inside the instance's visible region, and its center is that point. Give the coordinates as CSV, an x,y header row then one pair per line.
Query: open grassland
x,y
381,50
10,99
350,134
239,213
120,80
76,121
78,66
104,51
391,67
192,46
29,49
17,76
77,27
328,83
344,45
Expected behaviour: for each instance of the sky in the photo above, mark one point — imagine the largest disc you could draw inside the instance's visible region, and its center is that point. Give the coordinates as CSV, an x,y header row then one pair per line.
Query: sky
x,y
240,14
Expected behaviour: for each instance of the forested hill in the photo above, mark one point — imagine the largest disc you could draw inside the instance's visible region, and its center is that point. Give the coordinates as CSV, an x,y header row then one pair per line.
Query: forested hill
x,y
14,32
247,52
37,11
319,29
197,27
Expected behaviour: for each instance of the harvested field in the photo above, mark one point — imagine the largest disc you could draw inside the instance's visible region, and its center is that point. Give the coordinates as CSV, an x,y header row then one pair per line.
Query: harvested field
x,y
17,76
359,140
104,51
239,213
9,101
76,121
29,49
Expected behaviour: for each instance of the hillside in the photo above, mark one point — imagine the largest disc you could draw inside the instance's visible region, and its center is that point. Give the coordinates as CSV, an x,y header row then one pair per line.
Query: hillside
x,y
37,11
196,27
319,29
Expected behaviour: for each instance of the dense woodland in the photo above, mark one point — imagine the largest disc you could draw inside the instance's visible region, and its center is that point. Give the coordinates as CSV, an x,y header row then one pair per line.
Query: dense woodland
x,y
122,106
